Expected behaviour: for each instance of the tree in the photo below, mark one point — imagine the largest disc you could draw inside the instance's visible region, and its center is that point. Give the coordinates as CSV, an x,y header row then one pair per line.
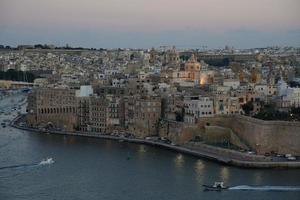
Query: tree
x,y
297,71
269,112
13,75
218,62
38,46
131,57
184,57
295,113
248,107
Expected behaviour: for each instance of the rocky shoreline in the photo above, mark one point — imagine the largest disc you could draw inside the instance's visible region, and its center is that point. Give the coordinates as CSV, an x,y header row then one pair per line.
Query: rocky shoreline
x,y
199,152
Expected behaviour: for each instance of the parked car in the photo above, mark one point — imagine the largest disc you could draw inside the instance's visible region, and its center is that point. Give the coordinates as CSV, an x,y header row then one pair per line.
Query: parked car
x,y
291,158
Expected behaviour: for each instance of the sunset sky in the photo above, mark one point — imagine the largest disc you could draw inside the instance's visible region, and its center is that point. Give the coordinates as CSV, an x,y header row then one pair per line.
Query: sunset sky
x,y
141,23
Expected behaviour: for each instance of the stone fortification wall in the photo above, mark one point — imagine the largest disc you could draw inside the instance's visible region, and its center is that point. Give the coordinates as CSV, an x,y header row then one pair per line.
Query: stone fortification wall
x,y
178,132
215,134
263,136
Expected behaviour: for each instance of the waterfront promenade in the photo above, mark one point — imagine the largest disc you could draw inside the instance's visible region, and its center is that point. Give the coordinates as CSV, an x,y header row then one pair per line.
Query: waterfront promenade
x,y
225,156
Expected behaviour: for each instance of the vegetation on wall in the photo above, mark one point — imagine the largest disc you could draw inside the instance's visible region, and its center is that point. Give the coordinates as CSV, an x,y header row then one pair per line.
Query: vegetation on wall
x,y
269,112
217,62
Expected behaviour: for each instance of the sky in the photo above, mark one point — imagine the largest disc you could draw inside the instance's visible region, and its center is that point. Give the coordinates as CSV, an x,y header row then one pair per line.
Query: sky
x,y
151,23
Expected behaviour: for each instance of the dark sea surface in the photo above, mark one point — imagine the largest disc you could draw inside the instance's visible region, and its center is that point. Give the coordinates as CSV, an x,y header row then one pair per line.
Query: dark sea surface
x,y
88,168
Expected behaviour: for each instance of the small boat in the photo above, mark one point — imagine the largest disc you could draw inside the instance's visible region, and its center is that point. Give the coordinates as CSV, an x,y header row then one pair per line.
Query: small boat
x,y
217,186
47,161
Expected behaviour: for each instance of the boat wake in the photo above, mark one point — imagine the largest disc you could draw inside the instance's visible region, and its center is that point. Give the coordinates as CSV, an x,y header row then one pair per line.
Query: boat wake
x,y
47,161
266,188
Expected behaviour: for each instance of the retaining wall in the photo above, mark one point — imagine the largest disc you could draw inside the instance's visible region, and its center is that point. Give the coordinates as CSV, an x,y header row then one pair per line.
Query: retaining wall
x,y
263,136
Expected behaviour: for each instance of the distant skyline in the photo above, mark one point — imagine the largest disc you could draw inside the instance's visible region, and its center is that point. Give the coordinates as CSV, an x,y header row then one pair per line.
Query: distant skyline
x,y
151,23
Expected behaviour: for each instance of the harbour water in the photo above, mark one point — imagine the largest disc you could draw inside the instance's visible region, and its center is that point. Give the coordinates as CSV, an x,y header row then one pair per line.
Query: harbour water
x,y
89,168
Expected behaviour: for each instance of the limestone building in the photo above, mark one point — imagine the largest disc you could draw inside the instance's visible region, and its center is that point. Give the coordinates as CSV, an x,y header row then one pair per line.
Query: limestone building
x,y
147,113
52,107
171,58
192,69
196,107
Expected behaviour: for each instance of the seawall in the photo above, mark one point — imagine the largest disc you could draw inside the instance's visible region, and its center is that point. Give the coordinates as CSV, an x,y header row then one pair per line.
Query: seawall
x,y
263,136
214,154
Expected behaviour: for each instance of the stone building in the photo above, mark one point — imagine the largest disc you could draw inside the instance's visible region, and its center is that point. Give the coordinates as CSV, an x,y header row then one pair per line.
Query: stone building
x,y
287,96
83,113
109,90
115,113
83,107
98,114
153,56
188,72
225,104
147,113
174,108
171,58
101,114
196,107
52,107
192,69
137,86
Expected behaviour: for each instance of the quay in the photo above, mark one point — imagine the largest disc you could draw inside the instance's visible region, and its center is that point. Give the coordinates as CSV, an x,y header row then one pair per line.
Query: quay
x,y
202,152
